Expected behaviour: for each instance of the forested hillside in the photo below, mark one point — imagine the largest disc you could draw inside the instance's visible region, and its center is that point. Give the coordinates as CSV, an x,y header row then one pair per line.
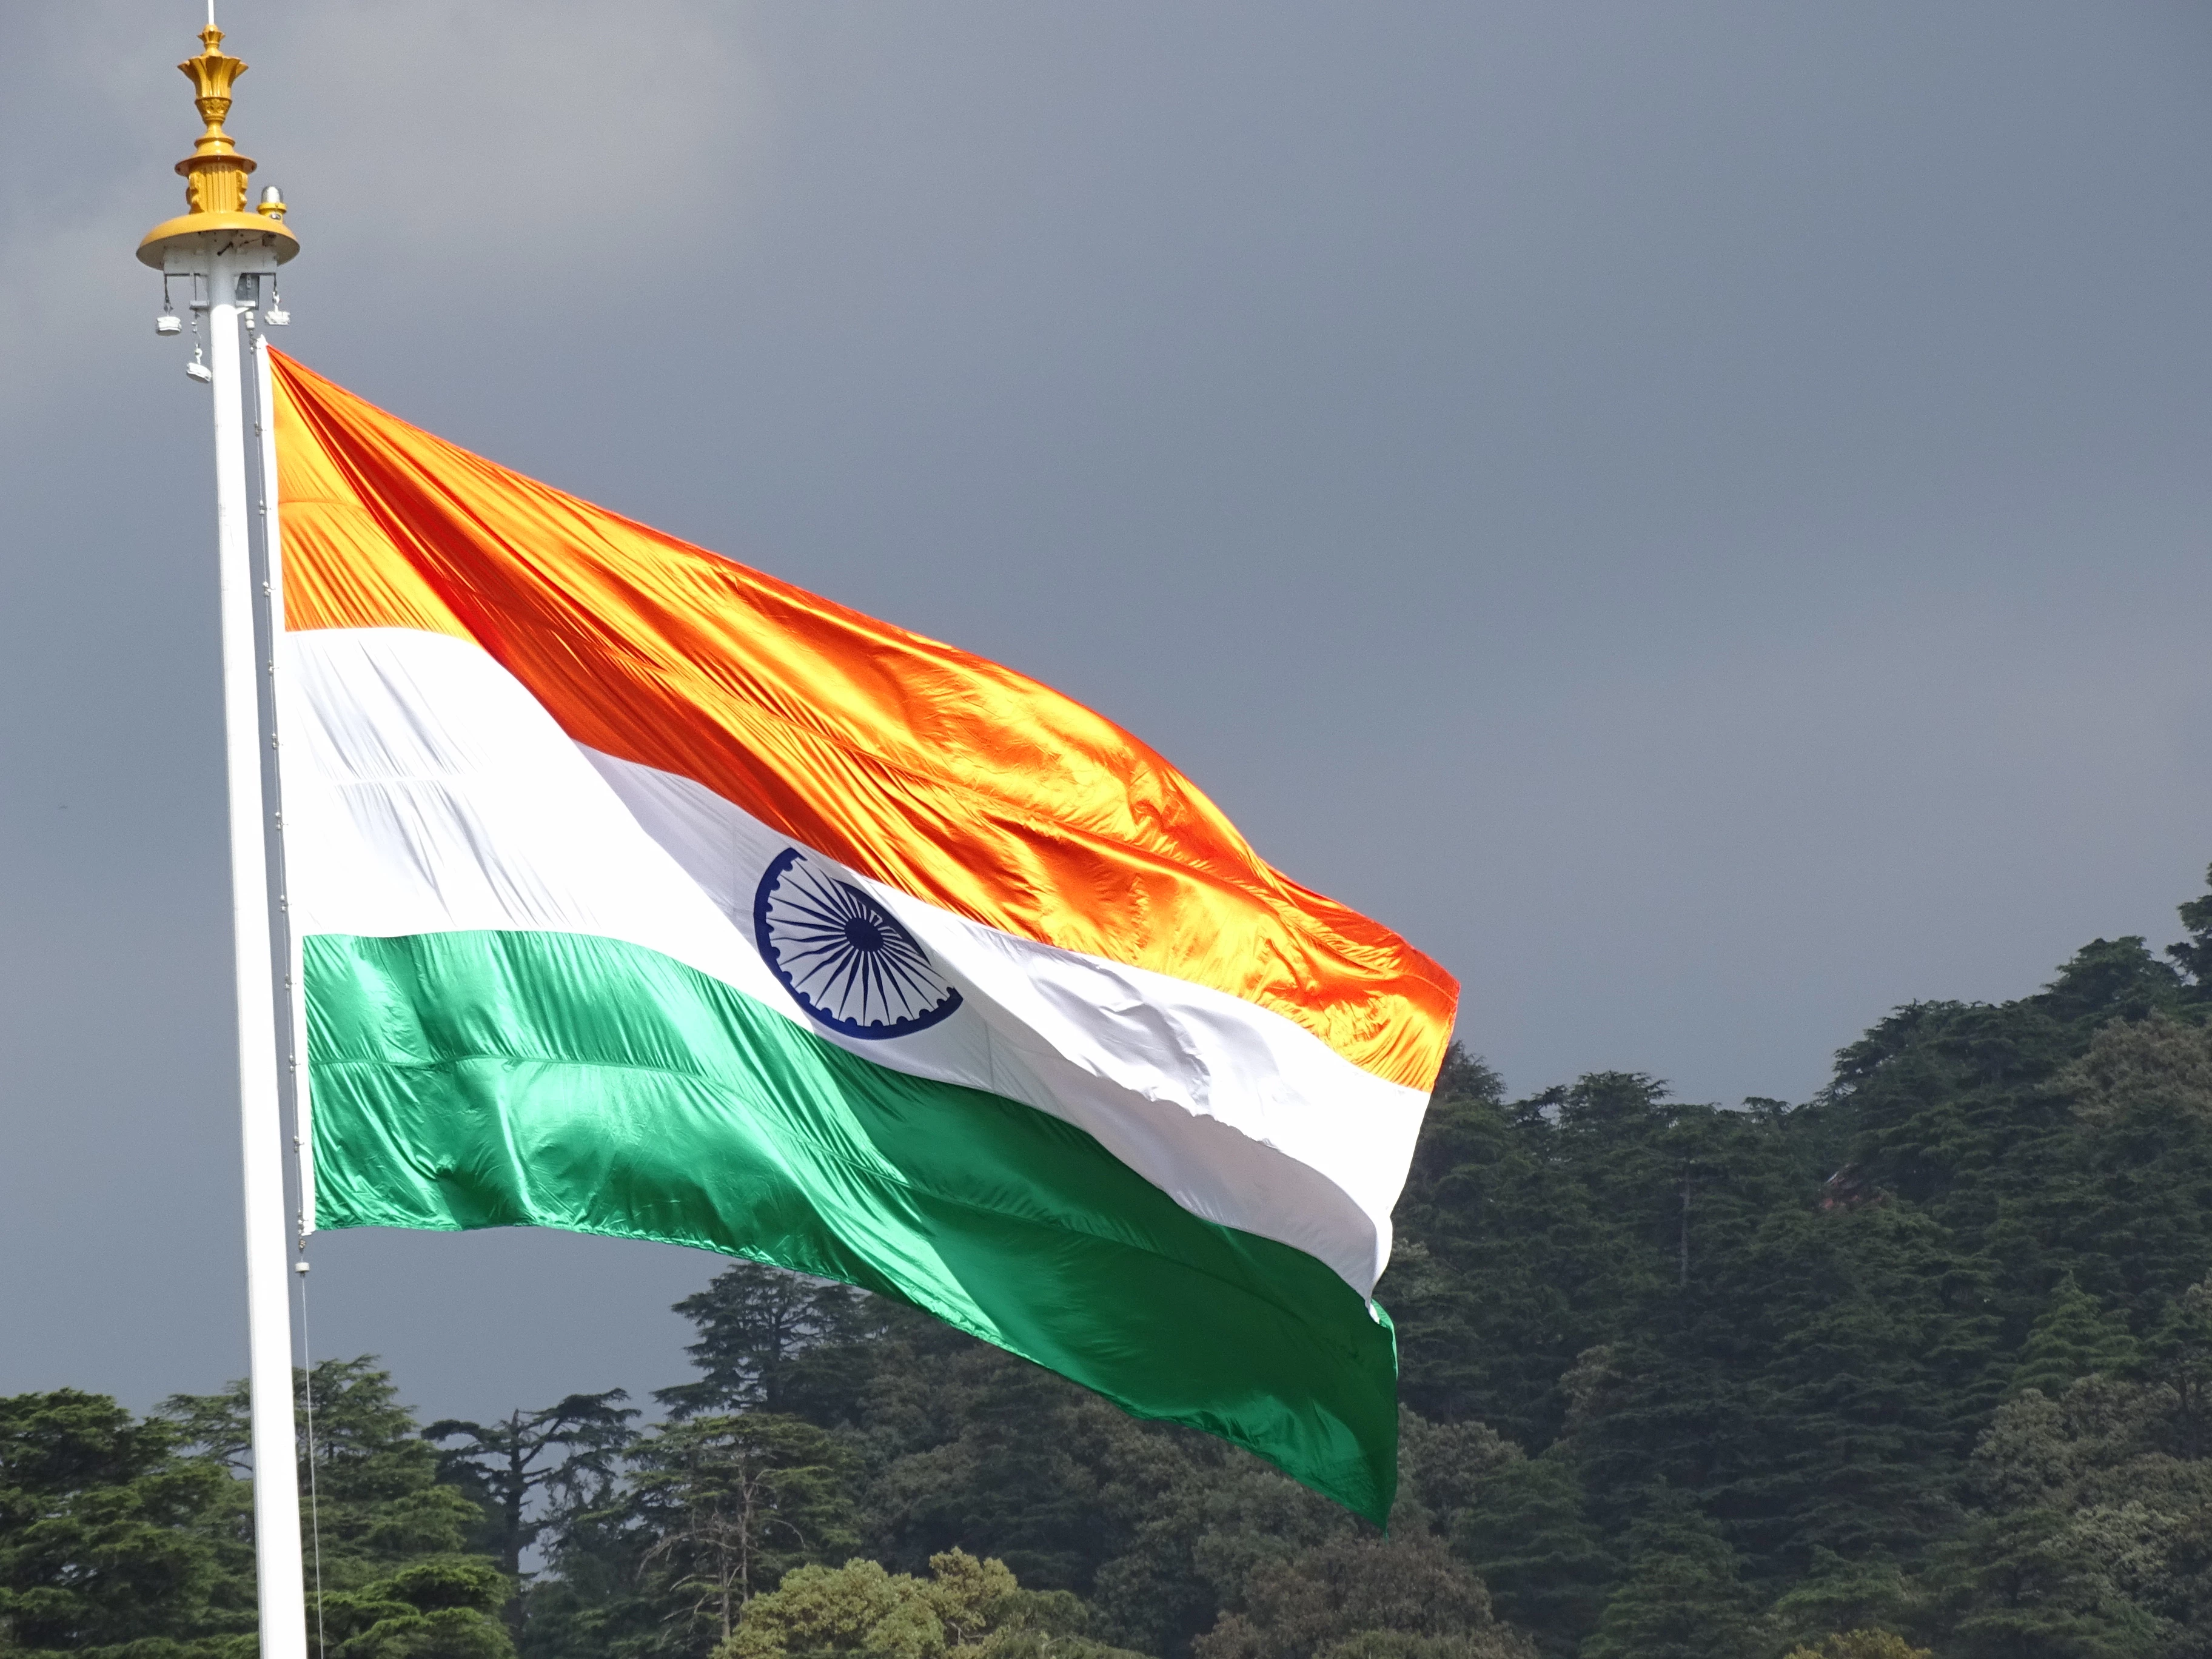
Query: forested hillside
x,y
1923,1364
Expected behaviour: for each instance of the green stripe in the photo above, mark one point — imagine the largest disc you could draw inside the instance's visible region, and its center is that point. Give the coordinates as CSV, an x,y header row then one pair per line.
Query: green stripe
x,y
492,1079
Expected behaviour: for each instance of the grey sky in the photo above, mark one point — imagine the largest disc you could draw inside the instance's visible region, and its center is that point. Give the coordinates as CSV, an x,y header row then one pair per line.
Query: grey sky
x,y
1695,512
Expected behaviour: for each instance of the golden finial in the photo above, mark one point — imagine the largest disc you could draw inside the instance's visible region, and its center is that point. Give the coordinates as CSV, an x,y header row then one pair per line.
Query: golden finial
x,y
215,174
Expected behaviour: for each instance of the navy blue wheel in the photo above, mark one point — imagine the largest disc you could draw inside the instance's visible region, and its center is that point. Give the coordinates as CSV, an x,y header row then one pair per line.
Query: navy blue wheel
x,y
845,959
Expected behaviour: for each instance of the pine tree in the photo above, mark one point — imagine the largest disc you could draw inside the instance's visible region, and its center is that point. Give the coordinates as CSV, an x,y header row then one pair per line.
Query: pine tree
x,y
726,1505
393,1574
2023,1583
2180,1359
758,1328
2194,954
109,1534
1867,1370
1846,1605
1683,1598
1529,1534
1493,1241
1353,1597
1862,1644
2073,1337
1019,1479
2131,1219
567,1453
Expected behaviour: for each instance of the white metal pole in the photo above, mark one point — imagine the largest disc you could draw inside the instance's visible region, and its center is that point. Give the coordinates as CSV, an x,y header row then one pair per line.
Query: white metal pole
x,y
268,1306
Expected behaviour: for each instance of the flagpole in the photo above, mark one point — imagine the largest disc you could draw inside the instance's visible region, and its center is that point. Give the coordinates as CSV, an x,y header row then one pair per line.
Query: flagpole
x,y
292,1005
227,257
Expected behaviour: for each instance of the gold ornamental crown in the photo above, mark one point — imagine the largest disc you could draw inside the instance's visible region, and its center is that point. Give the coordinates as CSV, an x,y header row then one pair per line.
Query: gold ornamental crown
x,y
215,174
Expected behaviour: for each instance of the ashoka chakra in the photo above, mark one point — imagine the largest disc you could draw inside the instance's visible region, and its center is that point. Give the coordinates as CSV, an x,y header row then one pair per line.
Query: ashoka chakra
x,y
844,958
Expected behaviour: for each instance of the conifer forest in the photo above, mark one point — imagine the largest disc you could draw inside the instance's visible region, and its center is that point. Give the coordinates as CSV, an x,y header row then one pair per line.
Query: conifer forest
x,y
1922,1366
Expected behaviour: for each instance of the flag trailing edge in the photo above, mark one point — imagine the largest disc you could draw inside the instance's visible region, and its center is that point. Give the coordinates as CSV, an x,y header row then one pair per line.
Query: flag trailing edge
x,y
642,894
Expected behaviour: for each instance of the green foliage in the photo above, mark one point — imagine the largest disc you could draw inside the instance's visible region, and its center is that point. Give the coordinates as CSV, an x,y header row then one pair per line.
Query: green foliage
x,y
1353,1597
1862,1644
1140,1535
1527,1533
993,1454
109,1537
1968,1112
2073,1338
2194,954
860,1608
965,1609
1684,1597
2027,1583
133,1539
377,1502
390,1541
2092,1534
1843,1602
775,1341
2179,1359
731,1502
2157,1068
1799,1325
436,1609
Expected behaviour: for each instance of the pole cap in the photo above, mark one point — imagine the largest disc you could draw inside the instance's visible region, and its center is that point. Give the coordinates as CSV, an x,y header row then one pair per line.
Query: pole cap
x,y
215,175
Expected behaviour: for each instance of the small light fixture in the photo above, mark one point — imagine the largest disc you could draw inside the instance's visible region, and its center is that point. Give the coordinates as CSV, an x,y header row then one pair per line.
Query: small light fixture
x,y
198,370
168,323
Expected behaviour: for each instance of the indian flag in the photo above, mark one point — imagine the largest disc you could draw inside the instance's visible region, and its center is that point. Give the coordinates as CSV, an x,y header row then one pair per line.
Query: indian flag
x,y
639,893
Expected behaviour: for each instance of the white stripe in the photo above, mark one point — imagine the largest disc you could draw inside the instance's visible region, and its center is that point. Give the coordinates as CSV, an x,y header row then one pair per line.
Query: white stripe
x,y
427,790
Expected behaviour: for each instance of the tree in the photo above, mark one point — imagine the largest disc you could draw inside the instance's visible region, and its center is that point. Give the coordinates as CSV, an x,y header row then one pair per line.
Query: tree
x,y
1683,1379
1363,1594
567,1450
1866,1361
728,1504
1840,1601
2194,954
1020,1477
2180,1359
2095,1532
2072,1337
1862,1644
2024,1585
1683,1598
1969,1112
108,1535
1529,1534
391,1575
966,1609
1190,1520
758,1326
1474,1173
436,1609
2159,1066
860,1608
